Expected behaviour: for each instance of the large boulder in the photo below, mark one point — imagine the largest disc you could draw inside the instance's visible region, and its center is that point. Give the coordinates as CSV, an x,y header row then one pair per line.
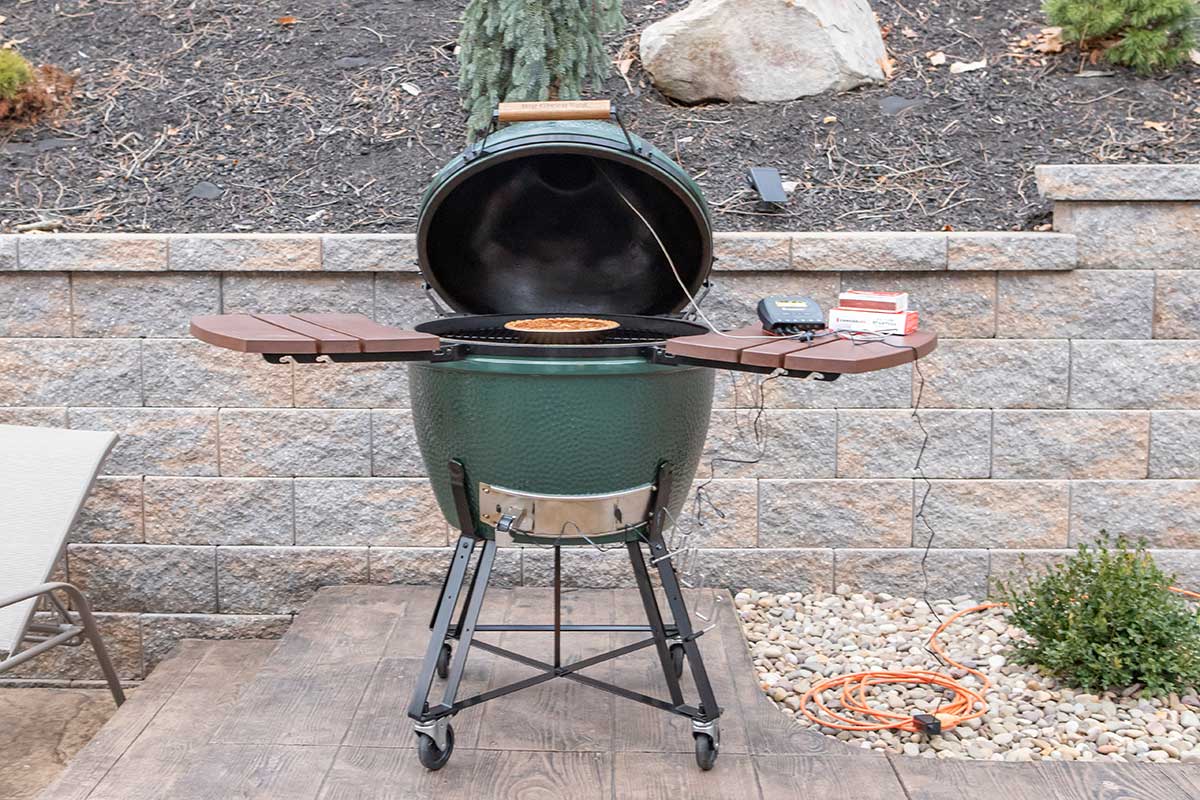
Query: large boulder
x,y
763,50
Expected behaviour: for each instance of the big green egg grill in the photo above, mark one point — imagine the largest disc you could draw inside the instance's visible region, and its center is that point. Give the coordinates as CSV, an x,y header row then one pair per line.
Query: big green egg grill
x,y
564,213
530,223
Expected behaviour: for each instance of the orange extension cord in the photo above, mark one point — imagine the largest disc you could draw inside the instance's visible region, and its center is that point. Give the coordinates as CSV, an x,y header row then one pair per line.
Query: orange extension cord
x,y
967,704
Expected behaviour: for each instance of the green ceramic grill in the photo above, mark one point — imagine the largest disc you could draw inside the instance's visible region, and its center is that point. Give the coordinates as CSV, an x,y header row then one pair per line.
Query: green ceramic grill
x,y
531,222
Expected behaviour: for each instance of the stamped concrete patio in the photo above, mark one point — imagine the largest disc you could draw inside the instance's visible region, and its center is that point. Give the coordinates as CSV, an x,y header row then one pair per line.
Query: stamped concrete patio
x,y
320,714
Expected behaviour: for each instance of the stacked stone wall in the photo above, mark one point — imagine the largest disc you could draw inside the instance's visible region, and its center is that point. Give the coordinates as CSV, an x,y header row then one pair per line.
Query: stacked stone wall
x,y
1062,401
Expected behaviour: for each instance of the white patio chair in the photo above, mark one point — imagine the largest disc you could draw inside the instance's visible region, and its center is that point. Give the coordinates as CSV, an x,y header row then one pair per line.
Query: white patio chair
x,y
45,475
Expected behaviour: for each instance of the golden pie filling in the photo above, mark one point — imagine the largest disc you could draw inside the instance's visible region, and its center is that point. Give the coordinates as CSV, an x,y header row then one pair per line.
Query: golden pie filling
x,y
561,324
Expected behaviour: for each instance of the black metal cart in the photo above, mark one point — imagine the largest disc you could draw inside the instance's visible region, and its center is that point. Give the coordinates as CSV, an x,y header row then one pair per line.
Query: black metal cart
x,y
674,641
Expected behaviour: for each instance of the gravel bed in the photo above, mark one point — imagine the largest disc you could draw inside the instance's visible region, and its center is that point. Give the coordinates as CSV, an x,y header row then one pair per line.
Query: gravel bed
x,y
796,640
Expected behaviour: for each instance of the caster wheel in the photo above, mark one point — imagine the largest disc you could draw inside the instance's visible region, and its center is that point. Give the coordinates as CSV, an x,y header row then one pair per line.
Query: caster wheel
x,y
431,757
706,751
677,659
443,662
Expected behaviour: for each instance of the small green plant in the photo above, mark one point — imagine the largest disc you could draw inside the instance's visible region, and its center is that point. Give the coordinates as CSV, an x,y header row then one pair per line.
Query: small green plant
x,y
1147,35
1104,619
29,95
517,50
15,74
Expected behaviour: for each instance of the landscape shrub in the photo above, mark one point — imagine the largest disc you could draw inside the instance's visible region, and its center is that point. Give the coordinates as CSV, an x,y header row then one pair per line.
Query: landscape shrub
x,y
1144,34
519,50
1104,619
15,74
28,95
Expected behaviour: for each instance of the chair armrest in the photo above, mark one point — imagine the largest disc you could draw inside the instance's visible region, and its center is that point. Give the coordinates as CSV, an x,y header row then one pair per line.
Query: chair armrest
x,y
38,591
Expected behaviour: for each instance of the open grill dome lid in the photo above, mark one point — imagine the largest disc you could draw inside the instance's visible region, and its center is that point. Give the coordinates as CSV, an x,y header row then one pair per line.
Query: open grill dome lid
x,y
536,218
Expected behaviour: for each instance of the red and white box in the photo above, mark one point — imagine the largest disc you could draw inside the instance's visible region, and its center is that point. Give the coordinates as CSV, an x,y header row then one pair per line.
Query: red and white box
x,y
873,301
857,320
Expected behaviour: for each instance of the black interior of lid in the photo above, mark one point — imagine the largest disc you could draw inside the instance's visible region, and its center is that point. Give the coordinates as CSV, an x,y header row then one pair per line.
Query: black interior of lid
x,y
544,231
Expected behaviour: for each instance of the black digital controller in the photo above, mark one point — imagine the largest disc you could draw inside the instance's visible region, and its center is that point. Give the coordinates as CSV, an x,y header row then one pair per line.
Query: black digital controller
x,y
788,315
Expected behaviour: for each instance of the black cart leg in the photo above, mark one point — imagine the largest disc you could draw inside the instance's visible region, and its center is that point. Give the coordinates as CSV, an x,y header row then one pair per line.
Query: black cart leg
x,y
437,607
557,606
687,636
654,617
435,736
417,707
704,726
462,508
456,629
465,629
705,731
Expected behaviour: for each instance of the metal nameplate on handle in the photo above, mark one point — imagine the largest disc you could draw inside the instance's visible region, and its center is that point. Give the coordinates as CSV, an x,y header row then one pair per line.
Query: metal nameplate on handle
x,y
569,516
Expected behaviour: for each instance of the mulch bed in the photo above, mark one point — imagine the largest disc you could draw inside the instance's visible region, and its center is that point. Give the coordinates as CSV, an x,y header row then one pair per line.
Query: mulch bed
x,y
209,115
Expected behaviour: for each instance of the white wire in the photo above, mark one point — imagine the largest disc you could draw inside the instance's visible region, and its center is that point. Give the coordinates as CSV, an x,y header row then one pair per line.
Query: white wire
x,y
847,335
679,280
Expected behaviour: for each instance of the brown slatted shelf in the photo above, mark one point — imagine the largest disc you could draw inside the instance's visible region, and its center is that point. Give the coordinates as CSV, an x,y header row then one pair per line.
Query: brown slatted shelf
x,y
348,335
848,357
375,338
718,347
770,355
328,341
826,352
304,334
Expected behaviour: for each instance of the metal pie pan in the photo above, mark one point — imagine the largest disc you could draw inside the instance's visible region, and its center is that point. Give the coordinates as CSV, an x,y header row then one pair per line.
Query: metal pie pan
x,y
552,335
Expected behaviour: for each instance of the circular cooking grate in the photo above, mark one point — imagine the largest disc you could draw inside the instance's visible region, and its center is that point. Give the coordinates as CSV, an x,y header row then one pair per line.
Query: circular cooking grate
x,y
489,329
505,335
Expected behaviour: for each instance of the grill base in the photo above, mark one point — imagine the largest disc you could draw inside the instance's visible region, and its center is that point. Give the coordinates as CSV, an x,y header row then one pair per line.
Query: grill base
x,y
675,641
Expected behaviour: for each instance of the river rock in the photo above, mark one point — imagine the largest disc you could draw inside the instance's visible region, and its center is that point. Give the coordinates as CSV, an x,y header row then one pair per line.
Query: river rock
x,y
1029,715
763,50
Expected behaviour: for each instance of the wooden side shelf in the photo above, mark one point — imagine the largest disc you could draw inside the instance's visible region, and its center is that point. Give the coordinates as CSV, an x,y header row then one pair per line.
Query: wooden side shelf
x,y
826,352
308,334
353,337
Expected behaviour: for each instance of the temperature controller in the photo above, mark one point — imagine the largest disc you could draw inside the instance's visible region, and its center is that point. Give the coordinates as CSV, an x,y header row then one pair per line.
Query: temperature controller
x,y
789,315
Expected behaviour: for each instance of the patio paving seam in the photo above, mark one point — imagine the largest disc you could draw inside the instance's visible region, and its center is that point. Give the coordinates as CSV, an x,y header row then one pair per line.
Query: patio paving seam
x,y
892,766
163,704
350,724
76,782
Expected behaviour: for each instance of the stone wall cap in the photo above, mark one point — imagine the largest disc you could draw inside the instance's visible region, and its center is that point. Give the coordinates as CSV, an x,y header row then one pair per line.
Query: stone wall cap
x,y
1119,182
866,234
244,236
736,235
1030,236
339,253
97,236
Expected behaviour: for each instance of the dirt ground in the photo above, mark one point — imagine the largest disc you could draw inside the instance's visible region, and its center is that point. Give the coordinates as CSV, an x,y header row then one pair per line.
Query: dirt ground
x,y
210,115
41,730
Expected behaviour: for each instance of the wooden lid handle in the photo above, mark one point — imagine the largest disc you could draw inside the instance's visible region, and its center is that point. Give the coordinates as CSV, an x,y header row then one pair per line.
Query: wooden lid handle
x,y
554,110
